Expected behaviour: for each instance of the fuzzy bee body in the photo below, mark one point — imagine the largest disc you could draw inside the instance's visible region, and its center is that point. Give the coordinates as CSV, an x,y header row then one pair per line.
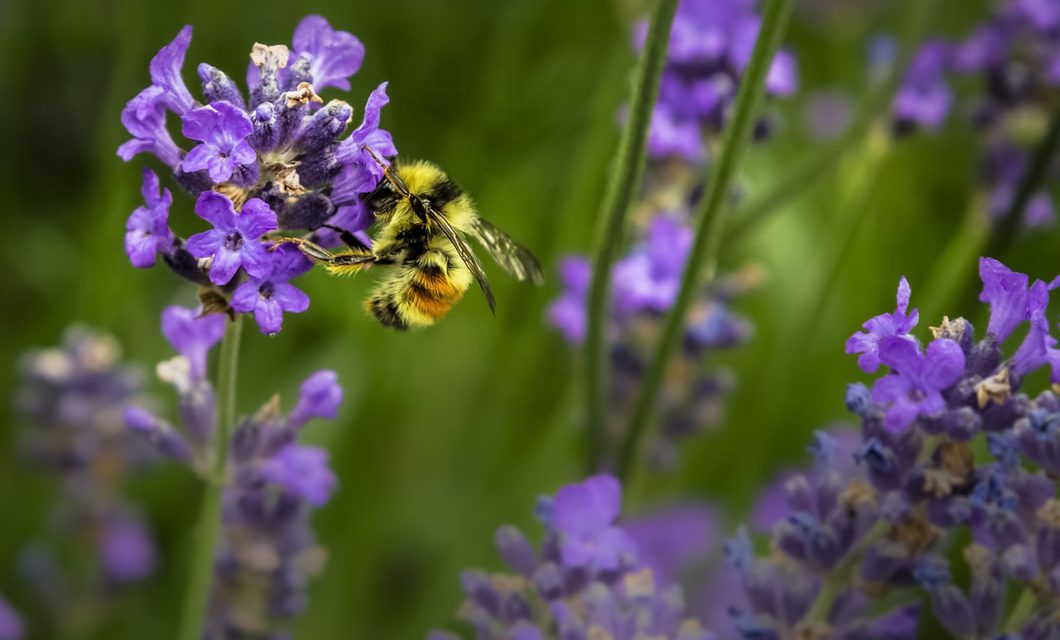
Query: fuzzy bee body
x,y
419,248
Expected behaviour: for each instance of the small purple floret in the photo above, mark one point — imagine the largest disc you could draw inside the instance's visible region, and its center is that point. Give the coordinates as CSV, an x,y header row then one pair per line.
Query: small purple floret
x,y
233,242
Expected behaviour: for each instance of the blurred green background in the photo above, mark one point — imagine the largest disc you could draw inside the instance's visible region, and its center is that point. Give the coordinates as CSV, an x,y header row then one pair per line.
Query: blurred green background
x,y
449,432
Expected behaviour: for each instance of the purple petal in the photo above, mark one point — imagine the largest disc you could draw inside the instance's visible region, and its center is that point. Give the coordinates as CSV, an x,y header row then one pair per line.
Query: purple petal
x,y
11,627
232,121
904,293
372,111
890,388
219,167
245,297
334,55
943,364
199,158
127,550
900,415
291,298
303,471
319,397
205,244
268,315
217,210
256,219
225,264
165,70
900,354
192,335
255,258
1006,292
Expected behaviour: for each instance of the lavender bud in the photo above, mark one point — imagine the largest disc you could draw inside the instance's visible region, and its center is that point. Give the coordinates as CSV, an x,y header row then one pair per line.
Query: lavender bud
x,y
217,85
308,211
516,550
266,135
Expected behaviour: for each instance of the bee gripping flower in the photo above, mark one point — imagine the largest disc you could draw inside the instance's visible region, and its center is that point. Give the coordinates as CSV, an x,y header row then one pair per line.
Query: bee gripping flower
x,y
147,230
233,242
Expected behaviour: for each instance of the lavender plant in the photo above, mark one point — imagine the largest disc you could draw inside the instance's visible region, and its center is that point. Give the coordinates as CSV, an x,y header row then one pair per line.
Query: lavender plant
x,y
587,579
1011,60
709,50
71,399
857,539
273,159
266,553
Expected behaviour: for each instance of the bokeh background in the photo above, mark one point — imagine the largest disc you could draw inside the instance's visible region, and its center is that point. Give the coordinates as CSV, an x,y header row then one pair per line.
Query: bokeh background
x,y
449,432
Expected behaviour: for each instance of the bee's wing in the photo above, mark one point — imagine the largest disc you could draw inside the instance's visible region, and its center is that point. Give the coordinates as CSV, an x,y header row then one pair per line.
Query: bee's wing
x,y
509,254
465,254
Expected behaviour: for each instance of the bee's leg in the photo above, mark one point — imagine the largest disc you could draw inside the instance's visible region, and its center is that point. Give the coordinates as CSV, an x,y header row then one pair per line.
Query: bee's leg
x,y
313,251
351,240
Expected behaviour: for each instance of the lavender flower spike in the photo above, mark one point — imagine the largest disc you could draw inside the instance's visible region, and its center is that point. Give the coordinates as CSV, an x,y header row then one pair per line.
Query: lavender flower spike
x,y
269,296
222,128
147,230
898,324
233,242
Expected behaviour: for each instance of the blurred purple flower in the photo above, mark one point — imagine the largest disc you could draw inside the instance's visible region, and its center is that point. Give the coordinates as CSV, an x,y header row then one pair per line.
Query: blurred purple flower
x,y
924,98
192,335
673,539
10,622
568,312
585,514
127,551
649,278
319,397
303,471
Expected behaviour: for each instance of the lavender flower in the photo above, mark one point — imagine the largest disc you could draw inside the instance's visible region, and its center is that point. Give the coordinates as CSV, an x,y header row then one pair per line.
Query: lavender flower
x,y
1012,58
879,527
147,232
267,553
273,159
898,324
269,296
564,589
10,623
223,129
71,399
710,46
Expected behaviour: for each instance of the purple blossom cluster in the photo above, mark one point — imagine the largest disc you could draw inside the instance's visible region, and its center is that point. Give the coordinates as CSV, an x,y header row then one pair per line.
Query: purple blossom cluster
x,y
1013,59
587,579
710,47
267,553
273,159
879,515
71,400
645,285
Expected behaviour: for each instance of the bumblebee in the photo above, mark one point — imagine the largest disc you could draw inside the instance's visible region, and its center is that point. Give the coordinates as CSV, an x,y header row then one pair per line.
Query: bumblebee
x,y
423,218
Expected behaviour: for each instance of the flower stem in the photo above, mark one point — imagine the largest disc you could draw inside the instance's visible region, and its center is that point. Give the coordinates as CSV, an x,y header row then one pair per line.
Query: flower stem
x,y
840,576
624,179
708,232
197,591
1022,610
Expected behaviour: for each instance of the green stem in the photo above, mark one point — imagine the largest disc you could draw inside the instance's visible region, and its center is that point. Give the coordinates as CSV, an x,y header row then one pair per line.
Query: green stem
x,y
708,232
837,580
1024,607
624,179
200,577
